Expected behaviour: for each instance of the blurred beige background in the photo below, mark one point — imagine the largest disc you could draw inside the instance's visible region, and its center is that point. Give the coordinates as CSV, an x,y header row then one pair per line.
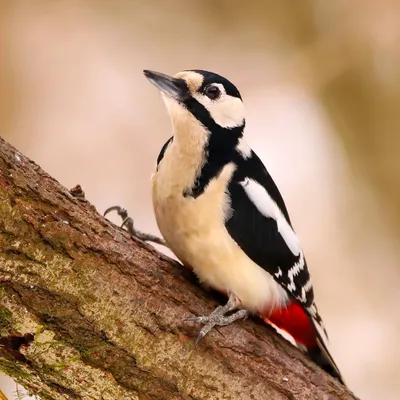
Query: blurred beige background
x,y
321,85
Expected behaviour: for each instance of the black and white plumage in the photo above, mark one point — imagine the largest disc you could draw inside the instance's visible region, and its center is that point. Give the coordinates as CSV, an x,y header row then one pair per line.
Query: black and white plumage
x,y
221,213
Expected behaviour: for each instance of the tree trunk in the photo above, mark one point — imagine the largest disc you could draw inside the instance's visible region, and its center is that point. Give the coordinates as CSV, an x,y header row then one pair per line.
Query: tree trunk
x,y
87,312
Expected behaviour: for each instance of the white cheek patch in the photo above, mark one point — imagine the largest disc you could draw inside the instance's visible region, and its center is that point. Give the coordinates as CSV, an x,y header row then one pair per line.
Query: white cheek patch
x,y
227,111
267,207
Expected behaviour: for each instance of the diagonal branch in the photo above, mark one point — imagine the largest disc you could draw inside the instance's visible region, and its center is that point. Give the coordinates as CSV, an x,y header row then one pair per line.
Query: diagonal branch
x,y
87,312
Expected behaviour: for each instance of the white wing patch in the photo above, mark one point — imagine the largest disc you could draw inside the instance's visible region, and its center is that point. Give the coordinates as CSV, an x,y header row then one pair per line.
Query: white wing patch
x,y
267,206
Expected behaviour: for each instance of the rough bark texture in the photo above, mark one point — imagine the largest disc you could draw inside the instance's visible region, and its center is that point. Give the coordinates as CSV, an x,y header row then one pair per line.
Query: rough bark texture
x,y
87,312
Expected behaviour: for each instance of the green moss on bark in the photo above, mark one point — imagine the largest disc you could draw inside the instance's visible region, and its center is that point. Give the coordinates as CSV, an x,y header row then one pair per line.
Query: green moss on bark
x,y
5,321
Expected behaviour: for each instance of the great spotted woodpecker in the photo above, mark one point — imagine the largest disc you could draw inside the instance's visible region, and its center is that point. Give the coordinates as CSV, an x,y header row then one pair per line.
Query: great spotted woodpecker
x,y
221,213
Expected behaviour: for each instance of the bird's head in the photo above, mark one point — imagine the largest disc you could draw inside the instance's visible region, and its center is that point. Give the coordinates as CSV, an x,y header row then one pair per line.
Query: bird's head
x,y
208,97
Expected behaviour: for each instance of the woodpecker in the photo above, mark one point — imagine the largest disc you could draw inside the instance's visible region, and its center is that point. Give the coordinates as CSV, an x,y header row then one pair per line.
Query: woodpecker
x,y
221,213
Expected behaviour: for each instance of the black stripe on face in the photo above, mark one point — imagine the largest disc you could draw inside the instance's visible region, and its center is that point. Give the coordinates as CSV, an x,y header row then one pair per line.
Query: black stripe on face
x,y
220,148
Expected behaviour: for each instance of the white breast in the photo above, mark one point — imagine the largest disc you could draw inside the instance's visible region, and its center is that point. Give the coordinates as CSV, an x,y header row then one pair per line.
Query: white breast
x,y
194,228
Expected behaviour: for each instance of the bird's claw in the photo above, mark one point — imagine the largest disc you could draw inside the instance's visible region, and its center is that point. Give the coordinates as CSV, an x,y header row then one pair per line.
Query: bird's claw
x,y
120,210
202,333
194,319
205,319
128,224
216,320
218,317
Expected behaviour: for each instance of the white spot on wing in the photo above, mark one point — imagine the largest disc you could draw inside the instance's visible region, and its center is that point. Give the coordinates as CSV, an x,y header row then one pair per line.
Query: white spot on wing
x,y
297,267
279,273
308,286
313,310
318,320
267,206
243,148
304,291
321,330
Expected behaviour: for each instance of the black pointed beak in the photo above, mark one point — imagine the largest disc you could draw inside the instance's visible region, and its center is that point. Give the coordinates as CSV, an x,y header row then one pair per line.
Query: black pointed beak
x,y
174,87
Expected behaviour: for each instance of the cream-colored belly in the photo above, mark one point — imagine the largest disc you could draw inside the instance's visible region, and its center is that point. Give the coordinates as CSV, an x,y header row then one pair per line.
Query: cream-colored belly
x,y
194,229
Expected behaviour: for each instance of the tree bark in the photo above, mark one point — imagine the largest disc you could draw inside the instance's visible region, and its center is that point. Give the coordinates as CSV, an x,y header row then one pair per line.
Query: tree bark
x,y
88,312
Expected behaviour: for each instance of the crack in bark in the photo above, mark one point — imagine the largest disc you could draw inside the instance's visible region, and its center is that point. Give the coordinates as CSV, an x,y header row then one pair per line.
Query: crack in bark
x,y
23,255
10,346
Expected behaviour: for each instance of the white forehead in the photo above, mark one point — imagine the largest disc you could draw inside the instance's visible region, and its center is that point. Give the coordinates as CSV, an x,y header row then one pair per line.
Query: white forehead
x,y
194,80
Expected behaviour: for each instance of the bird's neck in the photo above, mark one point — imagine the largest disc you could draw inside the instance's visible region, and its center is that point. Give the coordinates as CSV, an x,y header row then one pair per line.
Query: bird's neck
x,y
205,152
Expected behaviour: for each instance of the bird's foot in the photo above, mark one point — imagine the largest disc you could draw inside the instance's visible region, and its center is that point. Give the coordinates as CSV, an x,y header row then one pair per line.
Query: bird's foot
x,y
218,317
127,223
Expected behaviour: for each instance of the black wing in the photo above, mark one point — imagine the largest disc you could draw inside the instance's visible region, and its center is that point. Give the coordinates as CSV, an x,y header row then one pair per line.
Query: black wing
x,y
258,235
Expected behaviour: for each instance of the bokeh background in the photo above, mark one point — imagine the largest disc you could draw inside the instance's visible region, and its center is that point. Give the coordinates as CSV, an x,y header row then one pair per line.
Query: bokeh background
x,y
321,84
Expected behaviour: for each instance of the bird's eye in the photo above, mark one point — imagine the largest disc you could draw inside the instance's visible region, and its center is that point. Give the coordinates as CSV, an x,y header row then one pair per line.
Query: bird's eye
x,y
212,92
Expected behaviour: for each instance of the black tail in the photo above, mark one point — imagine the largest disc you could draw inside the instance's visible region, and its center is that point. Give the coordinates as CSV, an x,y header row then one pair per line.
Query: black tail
x,y
320,354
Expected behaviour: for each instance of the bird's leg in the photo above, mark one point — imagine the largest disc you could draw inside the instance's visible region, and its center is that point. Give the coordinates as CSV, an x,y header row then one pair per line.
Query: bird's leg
x,y
127,222
218,317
